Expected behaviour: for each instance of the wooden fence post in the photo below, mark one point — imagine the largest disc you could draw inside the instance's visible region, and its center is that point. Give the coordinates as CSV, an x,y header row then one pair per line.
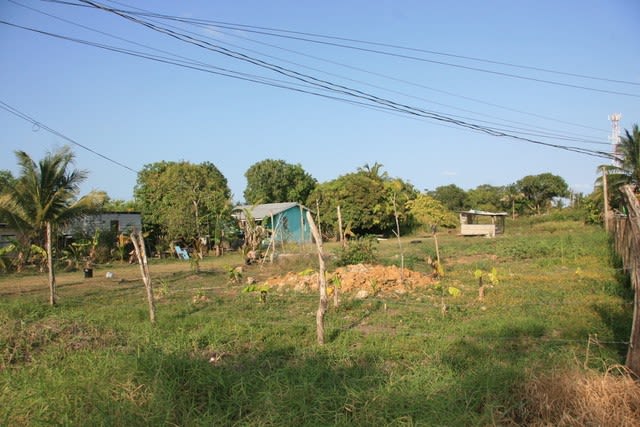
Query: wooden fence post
x,y
322,282
631,261
340,232
141,253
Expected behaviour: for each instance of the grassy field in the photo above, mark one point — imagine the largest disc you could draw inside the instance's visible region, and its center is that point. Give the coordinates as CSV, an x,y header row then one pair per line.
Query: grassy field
x,y
219,356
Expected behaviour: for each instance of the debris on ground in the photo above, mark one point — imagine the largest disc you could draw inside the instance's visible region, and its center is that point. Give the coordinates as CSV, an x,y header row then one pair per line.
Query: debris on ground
x,y
373,279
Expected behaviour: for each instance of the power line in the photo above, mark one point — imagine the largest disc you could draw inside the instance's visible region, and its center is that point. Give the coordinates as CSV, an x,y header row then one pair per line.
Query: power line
x,y
385,105
148,13
552,133
340,89
386,53
194,65
274,32
39,125
245,27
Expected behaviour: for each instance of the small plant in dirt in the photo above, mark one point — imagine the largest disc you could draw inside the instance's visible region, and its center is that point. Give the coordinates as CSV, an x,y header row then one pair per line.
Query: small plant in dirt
x,y
485,279
262,289
306,272
163,290
358,251
199,297
234,274
75,255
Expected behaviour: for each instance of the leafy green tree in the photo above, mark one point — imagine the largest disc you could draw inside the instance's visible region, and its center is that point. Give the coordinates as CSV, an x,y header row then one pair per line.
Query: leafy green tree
x,y
512,199
183,200
429,211
274,181
118,205
626,170
539,190
6,180
43,197
485,197
366,199
401,192
451,196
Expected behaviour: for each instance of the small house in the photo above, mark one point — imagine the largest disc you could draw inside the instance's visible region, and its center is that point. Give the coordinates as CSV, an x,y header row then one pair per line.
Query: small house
x,y
286,222
117,222
482,223
7,235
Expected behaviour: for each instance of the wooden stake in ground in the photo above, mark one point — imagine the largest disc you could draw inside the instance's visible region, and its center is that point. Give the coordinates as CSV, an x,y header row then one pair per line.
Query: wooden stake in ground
x,y
141,253
52,275
318,216
322,282
340,232
397,233
439,269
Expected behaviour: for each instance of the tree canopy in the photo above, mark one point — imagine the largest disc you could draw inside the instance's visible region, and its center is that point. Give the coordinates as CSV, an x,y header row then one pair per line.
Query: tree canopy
x,y
539,190
428,211
119,205
6,181
366,200
274,181
182,199
451,196
486,197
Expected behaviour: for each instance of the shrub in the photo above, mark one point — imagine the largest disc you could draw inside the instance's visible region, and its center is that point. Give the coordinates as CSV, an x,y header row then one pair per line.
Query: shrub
x,y
358,251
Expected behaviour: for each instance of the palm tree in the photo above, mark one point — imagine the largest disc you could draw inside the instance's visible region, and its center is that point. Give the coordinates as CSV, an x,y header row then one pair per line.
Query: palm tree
x,y
512,194
374,172
626,169
45,196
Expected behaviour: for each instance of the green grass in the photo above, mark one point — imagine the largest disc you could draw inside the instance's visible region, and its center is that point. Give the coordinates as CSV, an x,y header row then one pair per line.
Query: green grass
x,y
226,358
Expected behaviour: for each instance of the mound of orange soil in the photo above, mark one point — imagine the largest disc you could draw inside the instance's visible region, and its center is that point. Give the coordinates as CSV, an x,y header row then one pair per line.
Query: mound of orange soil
x,y
373,279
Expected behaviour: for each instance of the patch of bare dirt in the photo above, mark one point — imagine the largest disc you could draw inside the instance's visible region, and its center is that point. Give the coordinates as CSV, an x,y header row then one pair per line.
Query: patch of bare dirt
x,y
373,279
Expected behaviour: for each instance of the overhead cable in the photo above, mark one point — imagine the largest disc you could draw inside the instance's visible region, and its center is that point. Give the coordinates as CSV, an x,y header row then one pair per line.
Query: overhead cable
x,y
341,89
40,125
384,53
142,12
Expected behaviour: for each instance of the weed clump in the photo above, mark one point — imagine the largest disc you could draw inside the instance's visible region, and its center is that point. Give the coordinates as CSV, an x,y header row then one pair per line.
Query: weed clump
x,y
359,251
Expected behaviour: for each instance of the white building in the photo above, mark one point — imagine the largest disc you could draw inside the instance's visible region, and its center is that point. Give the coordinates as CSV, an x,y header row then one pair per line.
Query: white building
x,y
118,222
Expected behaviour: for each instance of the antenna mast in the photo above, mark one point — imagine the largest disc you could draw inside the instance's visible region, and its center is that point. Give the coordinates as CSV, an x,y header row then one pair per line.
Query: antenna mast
x,y
615,133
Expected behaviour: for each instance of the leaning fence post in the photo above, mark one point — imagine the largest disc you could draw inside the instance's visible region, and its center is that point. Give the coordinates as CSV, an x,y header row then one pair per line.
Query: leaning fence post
x,y
322,282
141,253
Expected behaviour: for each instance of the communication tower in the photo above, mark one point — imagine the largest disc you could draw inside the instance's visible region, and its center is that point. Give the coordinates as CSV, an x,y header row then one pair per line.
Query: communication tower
x,y
615,132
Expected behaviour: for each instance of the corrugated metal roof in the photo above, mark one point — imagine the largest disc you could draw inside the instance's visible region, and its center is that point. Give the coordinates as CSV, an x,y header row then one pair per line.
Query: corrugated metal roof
x,y
259,212
485,213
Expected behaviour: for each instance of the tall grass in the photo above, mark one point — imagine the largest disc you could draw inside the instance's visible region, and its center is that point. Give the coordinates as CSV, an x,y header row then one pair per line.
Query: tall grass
x,y
219,356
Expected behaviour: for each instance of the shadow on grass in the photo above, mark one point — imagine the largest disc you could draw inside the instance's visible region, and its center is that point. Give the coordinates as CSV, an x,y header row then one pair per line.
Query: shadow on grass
x,y
351,305
619,320
490,367
275,387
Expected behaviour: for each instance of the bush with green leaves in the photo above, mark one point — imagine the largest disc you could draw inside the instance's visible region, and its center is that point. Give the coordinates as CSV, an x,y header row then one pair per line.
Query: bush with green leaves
x,y
358,251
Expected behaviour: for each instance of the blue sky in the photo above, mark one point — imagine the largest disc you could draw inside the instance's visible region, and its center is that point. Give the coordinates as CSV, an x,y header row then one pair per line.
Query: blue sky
x,y
137,111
